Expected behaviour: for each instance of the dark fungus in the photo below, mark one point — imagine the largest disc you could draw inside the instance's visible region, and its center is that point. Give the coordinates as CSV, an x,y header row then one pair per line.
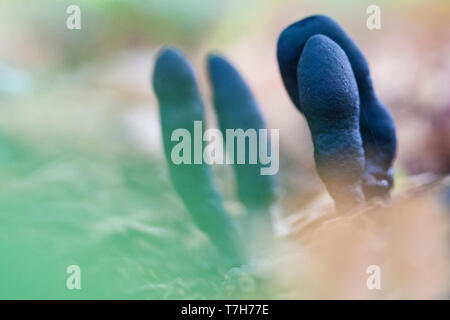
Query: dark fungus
x,y
330,103
376,124
180,105
236,108
328,79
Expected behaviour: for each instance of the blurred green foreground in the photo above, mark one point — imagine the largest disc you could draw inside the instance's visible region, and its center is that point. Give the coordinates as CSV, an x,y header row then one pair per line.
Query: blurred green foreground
x,y
76,188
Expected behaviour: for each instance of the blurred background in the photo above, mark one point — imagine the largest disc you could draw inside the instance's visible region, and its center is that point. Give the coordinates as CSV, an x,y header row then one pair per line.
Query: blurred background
x,y
82,175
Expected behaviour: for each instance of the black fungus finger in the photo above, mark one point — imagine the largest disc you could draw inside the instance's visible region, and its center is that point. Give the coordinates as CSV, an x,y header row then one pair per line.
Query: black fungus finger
x,y
376,124
330,103
180,106
236,108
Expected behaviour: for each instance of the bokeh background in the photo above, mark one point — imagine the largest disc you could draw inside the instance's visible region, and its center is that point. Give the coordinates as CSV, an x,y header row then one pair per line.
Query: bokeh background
x,y
83,179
